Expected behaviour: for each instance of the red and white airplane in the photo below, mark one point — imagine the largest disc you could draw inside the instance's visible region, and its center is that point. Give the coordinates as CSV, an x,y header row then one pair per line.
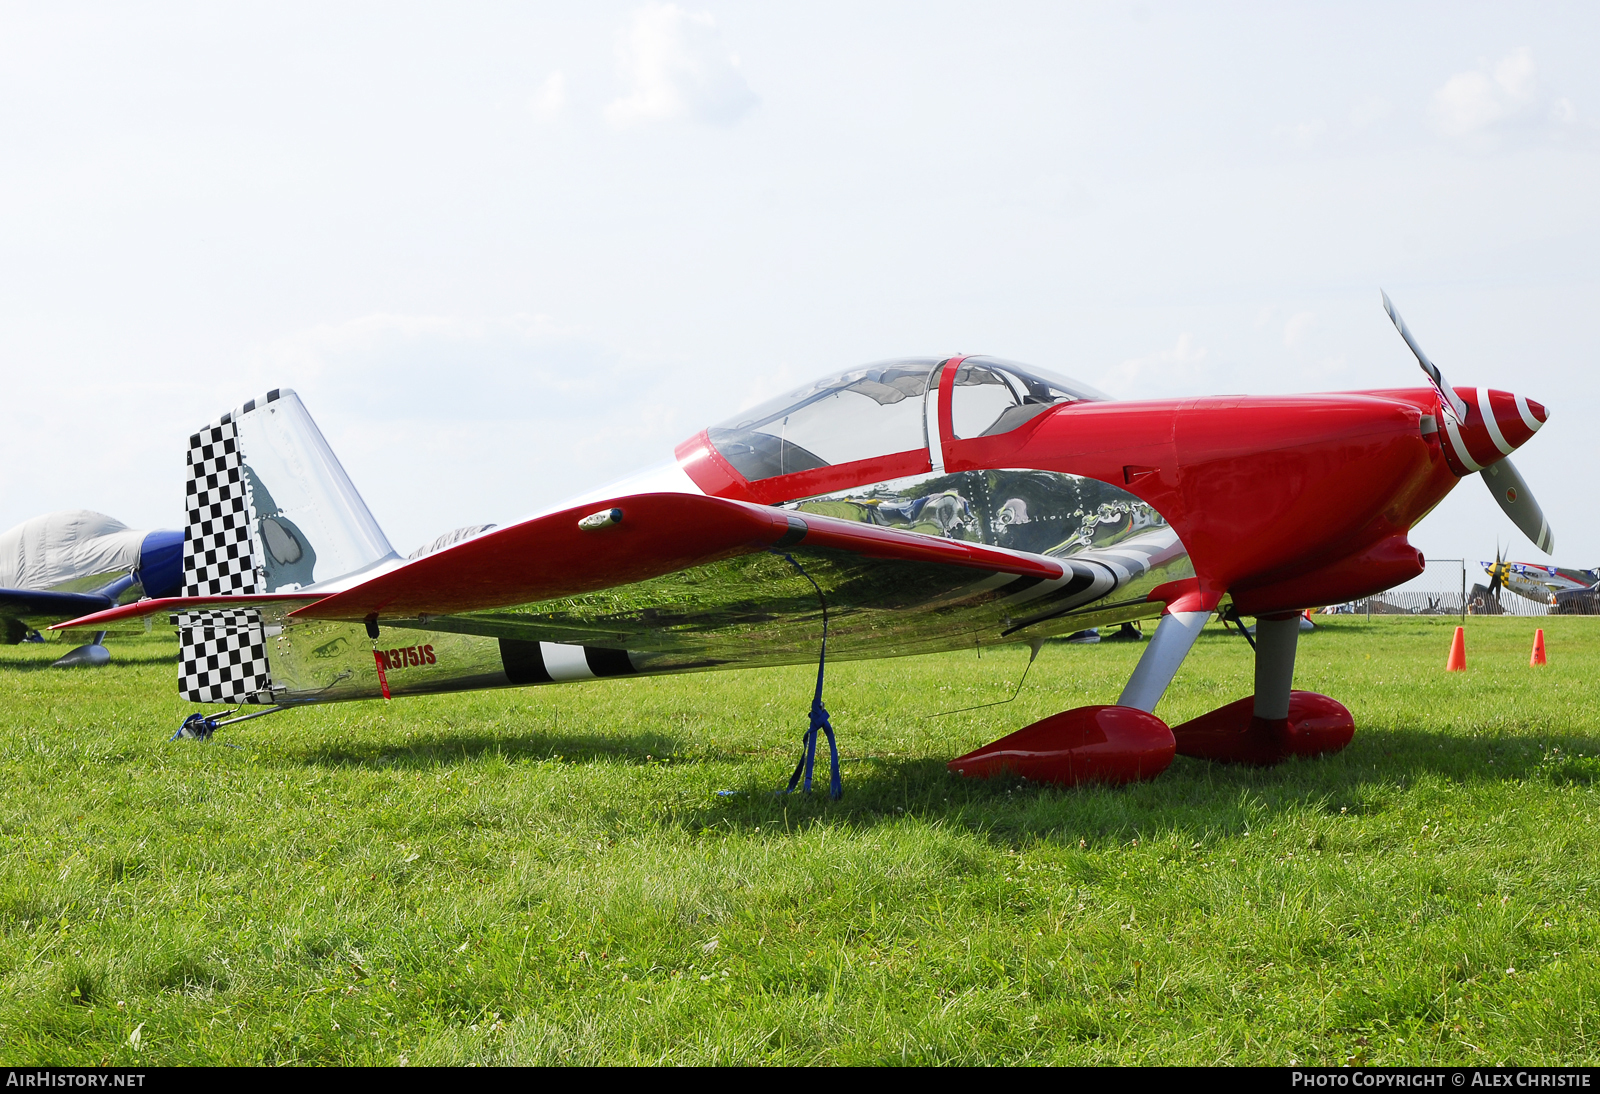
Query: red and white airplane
x,y
905,507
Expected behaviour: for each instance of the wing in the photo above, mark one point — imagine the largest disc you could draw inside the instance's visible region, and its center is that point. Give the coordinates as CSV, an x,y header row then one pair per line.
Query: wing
x,y
567,554
552,557
1573,579
683,581
37,608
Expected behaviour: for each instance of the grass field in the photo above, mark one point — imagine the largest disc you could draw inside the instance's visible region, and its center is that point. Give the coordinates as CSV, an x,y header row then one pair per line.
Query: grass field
x,y
549,875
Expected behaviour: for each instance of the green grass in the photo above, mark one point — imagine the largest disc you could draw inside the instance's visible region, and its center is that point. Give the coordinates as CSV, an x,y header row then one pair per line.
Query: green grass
x,y
548,875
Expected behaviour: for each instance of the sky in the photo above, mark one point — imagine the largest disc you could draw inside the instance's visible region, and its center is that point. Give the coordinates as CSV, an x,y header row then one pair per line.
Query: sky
x,y
509,252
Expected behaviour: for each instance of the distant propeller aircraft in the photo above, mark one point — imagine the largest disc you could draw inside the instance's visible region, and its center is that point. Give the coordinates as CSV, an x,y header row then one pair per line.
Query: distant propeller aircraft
x,y
905,507
65,564
1540,584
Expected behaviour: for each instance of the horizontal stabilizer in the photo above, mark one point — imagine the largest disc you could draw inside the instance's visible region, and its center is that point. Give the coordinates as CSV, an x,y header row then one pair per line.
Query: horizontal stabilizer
x,y
183,604
629,539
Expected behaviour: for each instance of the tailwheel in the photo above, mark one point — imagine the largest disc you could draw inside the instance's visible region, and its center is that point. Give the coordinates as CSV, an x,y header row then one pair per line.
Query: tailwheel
x,y
1315,726
198,727
1105,744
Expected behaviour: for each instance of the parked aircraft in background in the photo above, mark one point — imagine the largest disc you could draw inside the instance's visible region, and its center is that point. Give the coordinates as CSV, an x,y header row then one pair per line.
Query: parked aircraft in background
x,y
1540,584
909,506
76,562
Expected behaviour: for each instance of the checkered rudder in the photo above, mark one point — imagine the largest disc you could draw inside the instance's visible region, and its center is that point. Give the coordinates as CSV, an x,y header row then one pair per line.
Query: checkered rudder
x,y
223,654
223,657
216,543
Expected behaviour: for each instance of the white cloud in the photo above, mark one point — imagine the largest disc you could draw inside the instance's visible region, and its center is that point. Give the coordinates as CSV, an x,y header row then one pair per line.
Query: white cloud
x,y
1473,102
677,65
551,98
1163,373
1515,74
1294,331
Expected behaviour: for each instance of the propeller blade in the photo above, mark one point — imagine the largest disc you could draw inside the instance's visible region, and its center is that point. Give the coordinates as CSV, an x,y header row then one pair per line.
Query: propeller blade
x,y
1447,395
1511,492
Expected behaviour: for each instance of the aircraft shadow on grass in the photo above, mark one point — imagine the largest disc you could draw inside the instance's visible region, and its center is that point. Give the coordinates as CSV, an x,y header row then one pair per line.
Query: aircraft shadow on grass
x,y
1193,796
438,749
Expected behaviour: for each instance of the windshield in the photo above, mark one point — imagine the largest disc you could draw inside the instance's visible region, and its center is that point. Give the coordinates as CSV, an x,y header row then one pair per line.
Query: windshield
x,y
866,412
878,410
993,396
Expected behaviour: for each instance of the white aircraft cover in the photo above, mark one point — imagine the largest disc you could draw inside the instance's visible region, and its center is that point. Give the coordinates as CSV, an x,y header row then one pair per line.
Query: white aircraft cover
x,y
62,548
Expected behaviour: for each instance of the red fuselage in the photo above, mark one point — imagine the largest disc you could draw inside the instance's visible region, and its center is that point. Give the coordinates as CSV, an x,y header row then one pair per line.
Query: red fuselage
x,y
1283,502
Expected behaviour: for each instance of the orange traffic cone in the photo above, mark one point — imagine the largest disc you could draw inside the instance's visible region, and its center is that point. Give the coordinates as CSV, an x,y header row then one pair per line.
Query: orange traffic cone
x,y
1538,648
1458,652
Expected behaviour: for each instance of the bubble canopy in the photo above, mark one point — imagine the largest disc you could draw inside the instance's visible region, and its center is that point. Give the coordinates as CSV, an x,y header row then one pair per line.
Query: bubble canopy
x,y
880,409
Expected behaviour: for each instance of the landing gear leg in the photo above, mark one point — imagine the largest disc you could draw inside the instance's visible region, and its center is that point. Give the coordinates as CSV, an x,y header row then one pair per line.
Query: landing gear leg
x,y
1276,641
1175,637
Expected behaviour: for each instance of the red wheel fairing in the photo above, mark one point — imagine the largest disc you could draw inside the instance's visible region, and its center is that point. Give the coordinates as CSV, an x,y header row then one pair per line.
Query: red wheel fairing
x,y
1108,744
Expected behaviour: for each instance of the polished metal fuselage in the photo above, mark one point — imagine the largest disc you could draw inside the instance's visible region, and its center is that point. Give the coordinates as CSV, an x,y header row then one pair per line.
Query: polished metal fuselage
x,y
762,609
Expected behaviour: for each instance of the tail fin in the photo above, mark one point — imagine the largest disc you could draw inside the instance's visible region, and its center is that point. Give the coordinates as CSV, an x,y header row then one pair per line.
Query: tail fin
x,y
269,510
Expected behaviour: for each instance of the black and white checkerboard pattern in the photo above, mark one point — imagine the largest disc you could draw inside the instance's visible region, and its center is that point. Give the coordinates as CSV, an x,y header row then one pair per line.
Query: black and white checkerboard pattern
x,y
223,654
216,544
223,657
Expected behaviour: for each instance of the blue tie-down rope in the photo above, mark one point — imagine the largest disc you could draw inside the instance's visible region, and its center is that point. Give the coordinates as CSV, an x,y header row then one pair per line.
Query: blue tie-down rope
x,y
819,713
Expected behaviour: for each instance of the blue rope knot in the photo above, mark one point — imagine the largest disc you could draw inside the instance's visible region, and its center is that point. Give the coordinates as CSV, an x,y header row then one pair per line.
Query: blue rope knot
x,y
819,713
